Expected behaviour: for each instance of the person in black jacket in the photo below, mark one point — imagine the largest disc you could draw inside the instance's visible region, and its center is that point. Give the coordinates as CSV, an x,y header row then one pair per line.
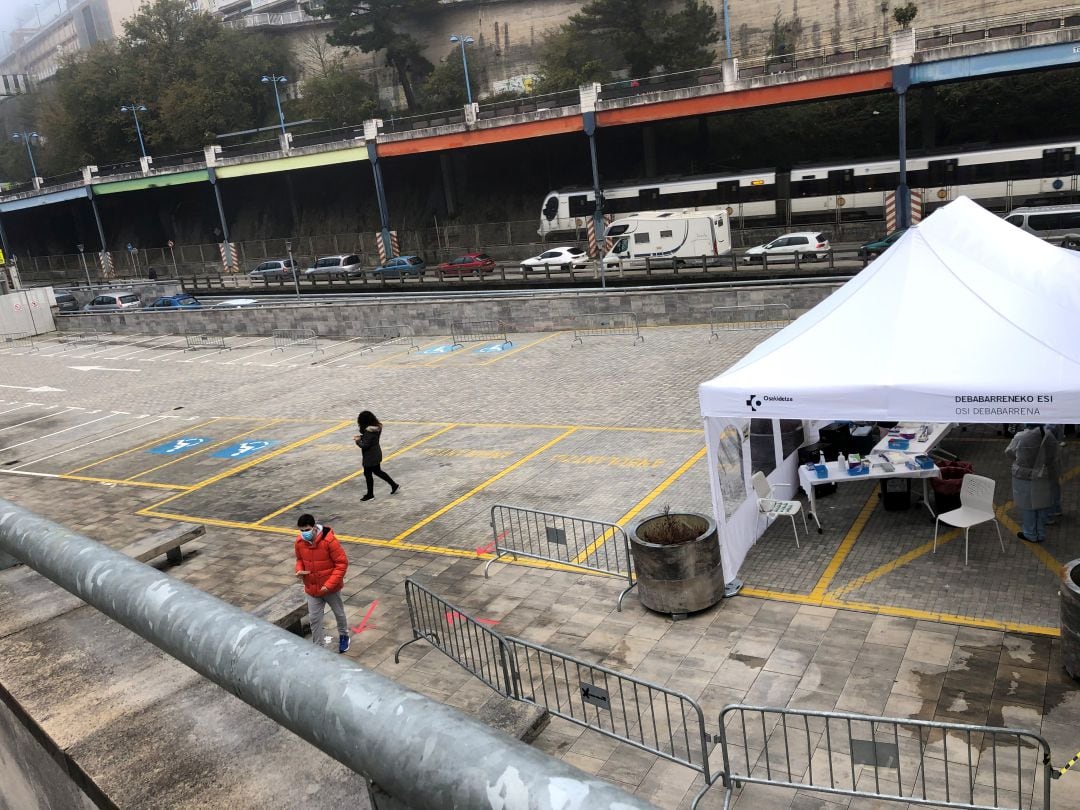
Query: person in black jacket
x,y
368,442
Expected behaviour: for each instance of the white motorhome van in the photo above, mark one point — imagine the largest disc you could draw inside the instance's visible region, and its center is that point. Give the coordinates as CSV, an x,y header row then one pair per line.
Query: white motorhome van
x,y
1049,220
666,238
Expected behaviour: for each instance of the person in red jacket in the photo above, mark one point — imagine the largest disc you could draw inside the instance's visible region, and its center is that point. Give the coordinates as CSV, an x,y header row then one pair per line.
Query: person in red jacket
x,y
321,565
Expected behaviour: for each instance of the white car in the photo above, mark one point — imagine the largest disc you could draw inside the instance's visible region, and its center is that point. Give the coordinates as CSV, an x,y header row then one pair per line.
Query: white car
x,y
809,246
236,303
557,259
341,266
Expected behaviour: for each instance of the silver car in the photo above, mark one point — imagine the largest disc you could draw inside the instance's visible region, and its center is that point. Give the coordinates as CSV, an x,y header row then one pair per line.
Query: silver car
x,y
341,266
273,269
113,301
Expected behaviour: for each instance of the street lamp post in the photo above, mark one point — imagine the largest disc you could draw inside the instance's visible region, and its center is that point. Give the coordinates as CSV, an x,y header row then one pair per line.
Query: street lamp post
x,y
463,41
27,138
135,109
292,266
275,80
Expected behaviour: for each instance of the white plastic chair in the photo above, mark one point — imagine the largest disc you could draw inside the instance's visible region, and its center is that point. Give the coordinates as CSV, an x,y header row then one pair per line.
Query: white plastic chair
x,y
773,507
976,506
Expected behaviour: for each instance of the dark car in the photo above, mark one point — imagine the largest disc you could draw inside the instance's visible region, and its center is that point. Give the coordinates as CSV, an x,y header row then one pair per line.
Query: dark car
x,y
879,246
471,264
66,302
179,301
402,266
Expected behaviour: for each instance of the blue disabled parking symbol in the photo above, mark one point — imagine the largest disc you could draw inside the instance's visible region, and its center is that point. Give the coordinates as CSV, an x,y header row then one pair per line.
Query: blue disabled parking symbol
x,y
449,347
243,449
178,446
493,348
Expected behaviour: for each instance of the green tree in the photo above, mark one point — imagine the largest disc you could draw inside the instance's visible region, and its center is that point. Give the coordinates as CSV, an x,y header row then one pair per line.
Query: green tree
x,y
905,15
333,91
646,35
566,65
444,87
381,25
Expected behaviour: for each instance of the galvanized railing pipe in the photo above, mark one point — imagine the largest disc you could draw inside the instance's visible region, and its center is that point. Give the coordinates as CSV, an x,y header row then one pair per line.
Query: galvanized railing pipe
x,y
409,745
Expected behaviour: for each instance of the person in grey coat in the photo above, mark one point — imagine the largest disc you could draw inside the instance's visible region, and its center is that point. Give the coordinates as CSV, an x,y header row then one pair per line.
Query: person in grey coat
x,y
371,453
1034,456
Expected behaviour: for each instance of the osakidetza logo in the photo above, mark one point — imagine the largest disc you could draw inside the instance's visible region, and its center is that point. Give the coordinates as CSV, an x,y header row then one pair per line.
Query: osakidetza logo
x,y
754,401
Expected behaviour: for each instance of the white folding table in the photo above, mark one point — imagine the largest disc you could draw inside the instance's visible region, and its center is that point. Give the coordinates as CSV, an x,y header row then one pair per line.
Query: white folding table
x,y
809,478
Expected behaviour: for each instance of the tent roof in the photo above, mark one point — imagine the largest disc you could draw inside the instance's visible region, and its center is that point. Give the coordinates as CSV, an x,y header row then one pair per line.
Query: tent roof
x,y
966,318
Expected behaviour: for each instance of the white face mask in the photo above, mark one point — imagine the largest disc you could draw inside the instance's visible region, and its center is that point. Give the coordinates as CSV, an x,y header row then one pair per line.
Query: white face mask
x,y
308,534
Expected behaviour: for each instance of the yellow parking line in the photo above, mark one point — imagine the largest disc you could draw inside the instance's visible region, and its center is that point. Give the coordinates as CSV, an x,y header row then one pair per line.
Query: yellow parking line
x,y
479,487
640,505
364,541
892,565
150,443
845,546
201,450
446,356
521,348
254,462
349,477
94,480
1041,554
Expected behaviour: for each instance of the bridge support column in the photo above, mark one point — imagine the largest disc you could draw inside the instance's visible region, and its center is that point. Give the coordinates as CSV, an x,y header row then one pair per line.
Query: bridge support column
x,y
4,242
901,83
371,133
589,94
97,218
220,206
447,173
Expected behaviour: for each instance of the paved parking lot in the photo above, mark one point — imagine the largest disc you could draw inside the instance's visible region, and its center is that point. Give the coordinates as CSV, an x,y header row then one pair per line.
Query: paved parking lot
x,y
129,433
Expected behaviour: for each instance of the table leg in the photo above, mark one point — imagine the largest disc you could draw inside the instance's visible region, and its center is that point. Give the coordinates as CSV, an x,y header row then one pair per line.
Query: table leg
x,y
926,497
813,507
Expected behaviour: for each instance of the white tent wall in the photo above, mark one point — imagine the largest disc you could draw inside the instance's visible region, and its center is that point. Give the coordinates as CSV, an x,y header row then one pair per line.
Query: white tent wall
x,y
739,522
965,319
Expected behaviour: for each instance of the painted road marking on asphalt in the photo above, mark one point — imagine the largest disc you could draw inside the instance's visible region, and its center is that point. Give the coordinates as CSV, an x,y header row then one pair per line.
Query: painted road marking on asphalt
x,y
93,441
848,543
143,446
521,348
58,432
186,456
351,476
38,418
244,448
181,445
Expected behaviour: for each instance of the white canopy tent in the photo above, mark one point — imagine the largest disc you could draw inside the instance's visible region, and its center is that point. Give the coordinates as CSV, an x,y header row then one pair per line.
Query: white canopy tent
x,y
966,318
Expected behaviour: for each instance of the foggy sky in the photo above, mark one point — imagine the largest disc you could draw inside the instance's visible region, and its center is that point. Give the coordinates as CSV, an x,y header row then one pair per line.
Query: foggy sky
x,y
16,13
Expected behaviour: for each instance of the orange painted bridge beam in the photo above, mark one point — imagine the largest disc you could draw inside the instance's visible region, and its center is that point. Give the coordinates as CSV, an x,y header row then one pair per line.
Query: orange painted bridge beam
x,y
787,93
480,137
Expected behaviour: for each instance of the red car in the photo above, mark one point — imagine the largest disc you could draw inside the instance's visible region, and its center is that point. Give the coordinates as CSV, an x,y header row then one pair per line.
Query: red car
x,y
471,264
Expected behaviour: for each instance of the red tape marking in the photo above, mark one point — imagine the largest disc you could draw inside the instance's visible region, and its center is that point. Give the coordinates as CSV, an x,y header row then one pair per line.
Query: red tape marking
x,y
452,616
490,547
360,628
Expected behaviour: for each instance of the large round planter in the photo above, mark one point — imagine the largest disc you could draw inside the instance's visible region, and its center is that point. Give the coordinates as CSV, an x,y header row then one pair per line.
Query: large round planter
x,y
1070,618
680,578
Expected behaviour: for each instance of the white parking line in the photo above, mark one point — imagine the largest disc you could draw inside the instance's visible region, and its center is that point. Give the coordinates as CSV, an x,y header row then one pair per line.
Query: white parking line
x,y
216,358
36,419
17,407
34,474
93,441
146,348
57,433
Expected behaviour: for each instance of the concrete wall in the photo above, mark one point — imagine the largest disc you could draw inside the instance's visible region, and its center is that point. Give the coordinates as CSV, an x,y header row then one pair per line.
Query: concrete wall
x,y
526,313
34,773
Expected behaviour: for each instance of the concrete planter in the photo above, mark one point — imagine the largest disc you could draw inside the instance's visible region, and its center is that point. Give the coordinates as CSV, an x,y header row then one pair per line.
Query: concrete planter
x,y
1070,618
680,577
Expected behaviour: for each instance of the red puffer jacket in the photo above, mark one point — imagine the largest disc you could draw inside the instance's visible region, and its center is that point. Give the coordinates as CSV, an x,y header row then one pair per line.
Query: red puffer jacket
x,y
324,559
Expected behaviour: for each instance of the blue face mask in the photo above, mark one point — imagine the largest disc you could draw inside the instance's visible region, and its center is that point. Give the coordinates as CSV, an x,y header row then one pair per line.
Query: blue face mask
x,y
308,534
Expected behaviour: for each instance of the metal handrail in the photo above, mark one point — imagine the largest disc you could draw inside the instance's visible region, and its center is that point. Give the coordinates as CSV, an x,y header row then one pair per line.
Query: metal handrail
x,y
994,22
408,744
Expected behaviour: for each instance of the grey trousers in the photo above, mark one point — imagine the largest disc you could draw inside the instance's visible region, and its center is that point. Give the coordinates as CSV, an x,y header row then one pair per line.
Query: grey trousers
x,y
316,606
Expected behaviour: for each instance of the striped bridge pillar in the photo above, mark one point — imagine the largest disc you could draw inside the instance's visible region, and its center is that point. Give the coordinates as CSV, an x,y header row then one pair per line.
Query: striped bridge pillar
x,y
890,209
394,251
593,245
107,269
916,207
228,257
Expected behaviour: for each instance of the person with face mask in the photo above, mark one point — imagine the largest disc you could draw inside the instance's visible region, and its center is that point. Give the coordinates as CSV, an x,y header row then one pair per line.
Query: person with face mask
x,y
321,565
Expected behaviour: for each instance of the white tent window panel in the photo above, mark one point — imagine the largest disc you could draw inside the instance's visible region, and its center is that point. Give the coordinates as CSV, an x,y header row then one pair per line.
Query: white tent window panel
x,y
730,474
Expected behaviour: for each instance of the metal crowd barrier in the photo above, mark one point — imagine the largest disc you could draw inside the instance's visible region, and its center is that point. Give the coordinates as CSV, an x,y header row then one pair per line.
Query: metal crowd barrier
x,y
201,340
603,324
469,642
463,332
17,340
375,337
645,715
747,316
288,338
919,762
90,337
656,719
591,545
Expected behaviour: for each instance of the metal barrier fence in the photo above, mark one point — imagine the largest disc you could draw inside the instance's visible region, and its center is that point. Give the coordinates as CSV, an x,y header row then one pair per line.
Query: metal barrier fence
x,y
479,332
645,715
288,338
469,642
19,340
603,324
919,762
642,714
591,545
88,337
201,340
747,316
375,337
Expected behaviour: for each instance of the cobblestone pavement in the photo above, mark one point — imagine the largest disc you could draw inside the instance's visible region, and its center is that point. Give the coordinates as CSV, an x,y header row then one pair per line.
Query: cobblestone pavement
x,y
607,429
